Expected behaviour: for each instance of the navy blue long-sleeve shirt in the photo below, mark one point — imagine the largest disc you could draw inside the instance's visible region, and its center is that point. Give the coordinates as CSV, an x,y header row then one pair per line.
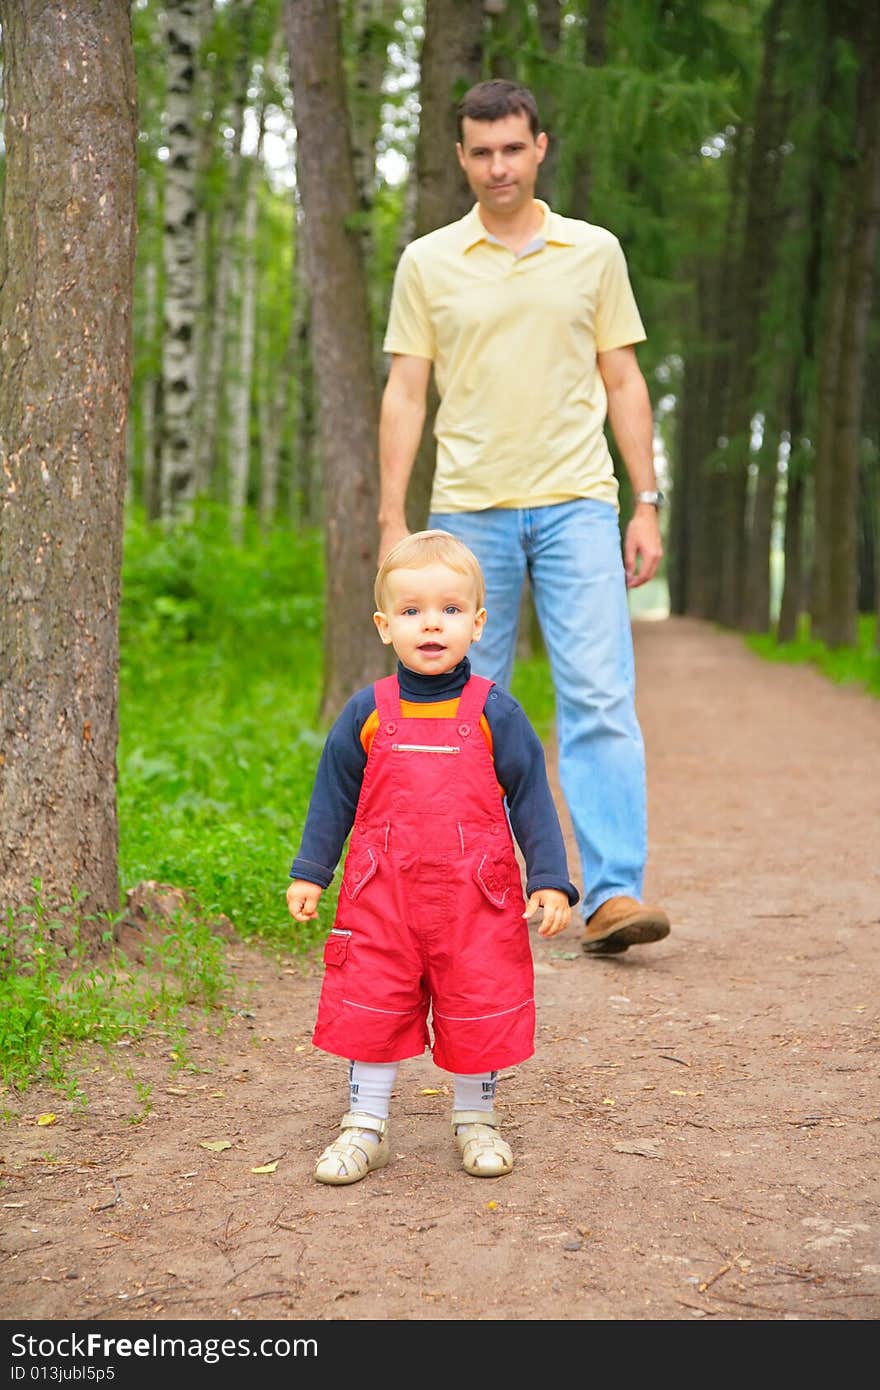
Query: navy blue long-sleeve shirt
x,y
519,768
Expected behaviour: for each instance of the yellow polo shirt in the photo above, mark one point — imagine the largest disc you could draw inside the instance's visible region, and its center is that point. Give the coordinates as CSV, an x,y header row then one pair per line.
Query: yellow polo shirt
x,y
513,339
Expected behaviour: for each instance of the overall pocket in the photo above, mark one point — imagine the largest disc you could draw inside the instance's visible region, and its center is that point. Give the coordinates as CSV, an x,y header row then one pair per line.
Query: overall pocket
x,y
336,946
360,866
496,876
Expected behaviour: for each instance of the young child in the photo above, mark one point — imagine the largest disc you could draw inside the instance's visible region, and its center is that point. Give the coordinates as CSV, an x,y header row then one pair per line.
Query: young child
x,y
431,913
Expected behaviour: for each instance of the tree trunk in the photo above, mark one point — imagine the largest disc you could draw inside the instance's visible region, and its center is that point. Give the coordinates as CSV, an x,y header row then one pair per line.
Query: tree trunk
x,y
595,56
343,353
373,31
66,265
212,412
304,485
178,467
841,626
794,595
451,62
149,385
753,275
549,18
240,403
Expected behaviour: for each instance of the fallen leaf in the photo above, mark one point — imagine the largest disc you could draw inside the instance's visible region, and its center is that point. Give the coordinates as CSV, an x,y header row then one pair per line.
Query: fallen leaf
x,y
608,1100
215,1145
47,1119
175,1090
491,1206
678,1093
429,1091
265,1168
215,1095
175,1056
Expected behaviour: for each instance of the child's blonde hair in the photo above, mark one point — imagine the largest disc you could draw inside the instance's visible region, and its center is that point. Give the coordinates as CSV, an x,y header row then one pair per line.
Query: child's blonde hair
x,y
424,548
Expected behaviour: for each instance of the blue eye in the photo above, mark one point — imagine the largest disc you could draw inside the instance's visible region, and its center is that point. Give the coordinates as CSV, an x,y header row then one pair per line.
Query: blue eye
x,y
452,608
410,612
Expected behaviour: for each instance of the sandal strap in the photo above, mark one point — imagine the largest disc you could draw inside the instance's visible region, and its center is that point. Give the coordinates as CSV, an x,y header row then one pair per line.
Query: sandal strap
x,y
356,1120
476,1117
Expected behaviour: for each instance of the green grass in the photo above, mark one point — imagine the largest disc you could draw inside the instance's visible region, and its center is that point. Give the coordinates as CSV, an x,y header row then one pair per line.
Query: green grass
x,y
55,998
219,691
858,665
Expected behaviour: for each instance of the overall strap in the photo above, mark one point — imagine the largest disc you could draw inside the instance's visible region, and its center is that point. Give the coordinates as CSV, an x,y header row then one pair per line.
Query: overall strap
x,y
387,695
473,698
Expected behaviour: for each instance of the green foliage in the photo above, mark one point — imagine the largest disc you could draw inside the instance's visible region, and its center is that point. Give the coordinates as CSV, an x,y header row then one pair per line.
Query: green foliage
x,y
858,665
219,691
532,685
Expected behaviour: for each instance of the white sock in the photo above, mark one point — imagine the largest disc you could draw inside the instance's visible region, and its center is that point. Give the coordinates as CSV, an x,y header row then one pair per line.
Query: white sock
x,y
370,1085
475,1092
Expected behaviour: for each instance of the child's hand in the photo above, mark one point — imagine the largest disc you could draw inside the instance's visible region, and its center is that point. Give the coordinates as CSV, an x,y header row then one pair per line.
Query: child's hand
x,y
557,910
302,899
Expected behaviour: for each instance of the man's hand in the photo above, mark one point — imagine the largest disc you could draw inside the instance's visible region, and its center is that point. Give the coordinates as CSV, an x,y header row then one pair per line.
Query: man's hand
x,y
302,900
557,910
642,547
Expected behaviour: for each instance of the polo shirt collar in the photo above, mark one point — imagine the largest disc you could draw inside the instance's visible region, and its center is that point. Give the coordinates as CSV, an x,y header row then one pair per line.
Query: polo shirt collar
x,y
550,231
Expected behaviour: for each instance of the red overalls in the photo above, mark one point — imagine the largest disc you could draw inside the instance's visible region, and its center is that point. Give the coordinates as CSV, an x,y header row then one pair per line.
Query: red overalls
x,y
430,906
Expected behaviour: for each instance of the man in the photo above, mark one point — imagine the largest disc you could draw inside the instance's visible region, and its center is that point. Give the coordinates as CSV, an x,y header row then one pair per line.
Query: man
x,y
529,322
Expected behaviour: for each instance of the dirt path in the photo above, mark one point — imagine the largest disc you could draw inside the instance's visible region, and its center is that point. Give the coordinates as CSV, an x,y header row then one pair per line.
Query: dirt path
x,y
695,1137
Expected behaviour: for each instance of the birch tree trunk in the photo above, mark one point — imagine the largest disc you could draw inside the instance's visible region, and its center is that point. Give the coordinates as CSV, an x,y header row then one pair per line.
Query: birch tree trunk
x,y
178,460
240,404
149,385
212,413
66,265
343,350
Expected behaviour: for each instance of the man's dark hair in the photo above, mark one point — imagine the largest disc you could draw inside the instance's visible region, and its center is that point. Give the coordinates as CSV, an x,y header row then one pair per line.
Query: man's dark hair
x,y
492,101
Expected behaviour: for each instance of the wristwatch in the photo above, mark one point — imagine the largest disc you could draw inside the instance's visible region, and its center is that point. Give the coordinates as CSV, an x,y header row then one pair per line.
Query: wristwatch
x,y
656,499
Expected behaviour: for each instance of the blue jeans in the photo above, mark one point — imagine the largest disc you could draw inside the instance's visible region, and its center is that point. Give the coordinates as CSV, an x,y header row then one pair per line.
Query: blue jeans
x,y
572,553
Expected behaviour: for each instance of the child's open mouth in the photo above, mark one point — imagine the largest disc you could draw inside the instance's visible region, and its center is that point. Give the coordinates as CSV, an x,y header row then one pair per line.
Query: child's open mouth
x,y
431,648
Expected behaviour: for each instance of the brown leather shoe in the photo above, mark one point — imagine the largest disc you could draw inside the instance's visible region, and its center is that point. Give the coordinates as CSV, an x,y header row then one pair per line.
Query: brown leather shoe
x,y
623,922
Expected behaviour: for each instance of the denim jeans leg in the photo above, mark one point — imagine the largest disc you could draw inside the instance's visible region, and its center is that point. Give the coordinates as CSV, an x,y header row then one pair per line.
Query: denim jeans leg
x,y
494,537
577,575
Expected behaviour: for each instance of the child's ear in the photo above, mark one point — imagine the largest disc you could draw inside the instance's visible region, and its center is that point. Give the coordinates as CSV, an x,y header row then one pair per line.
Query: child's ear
x,y
381,622
479,624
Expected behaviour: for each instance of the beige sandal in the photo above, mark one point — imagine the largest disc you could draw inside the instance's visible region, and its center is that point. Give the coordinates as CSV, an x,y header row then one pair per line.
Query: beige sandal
x,y
352,1156
484,1154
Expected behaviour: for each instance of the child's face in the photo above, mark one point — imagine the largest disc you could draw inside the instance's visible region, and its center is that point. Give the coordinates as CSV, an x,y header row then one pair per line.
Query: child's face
x,y
432,617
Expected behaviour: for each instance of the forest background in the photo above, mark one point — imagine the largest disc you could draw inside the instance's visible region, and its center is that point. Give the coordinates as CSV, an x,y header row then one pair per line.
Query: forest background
x,y
203,205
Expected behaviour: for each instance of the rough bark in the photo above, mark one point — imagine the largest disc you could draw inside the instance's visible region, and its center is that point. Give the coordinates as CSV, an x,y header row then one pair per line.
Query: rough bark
x,y
342,343
66,267
178,466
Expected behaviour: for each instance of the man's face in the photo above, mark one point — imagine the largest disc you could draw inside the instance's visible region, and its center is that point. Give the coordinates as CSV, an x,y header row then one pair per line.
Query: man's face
x,y
501,160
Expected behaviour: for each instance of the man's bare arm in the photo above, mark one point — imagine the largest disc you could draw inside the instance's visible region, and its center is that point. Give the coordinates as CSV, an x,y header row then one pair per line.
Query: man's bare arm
x,y
400,431
632,422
